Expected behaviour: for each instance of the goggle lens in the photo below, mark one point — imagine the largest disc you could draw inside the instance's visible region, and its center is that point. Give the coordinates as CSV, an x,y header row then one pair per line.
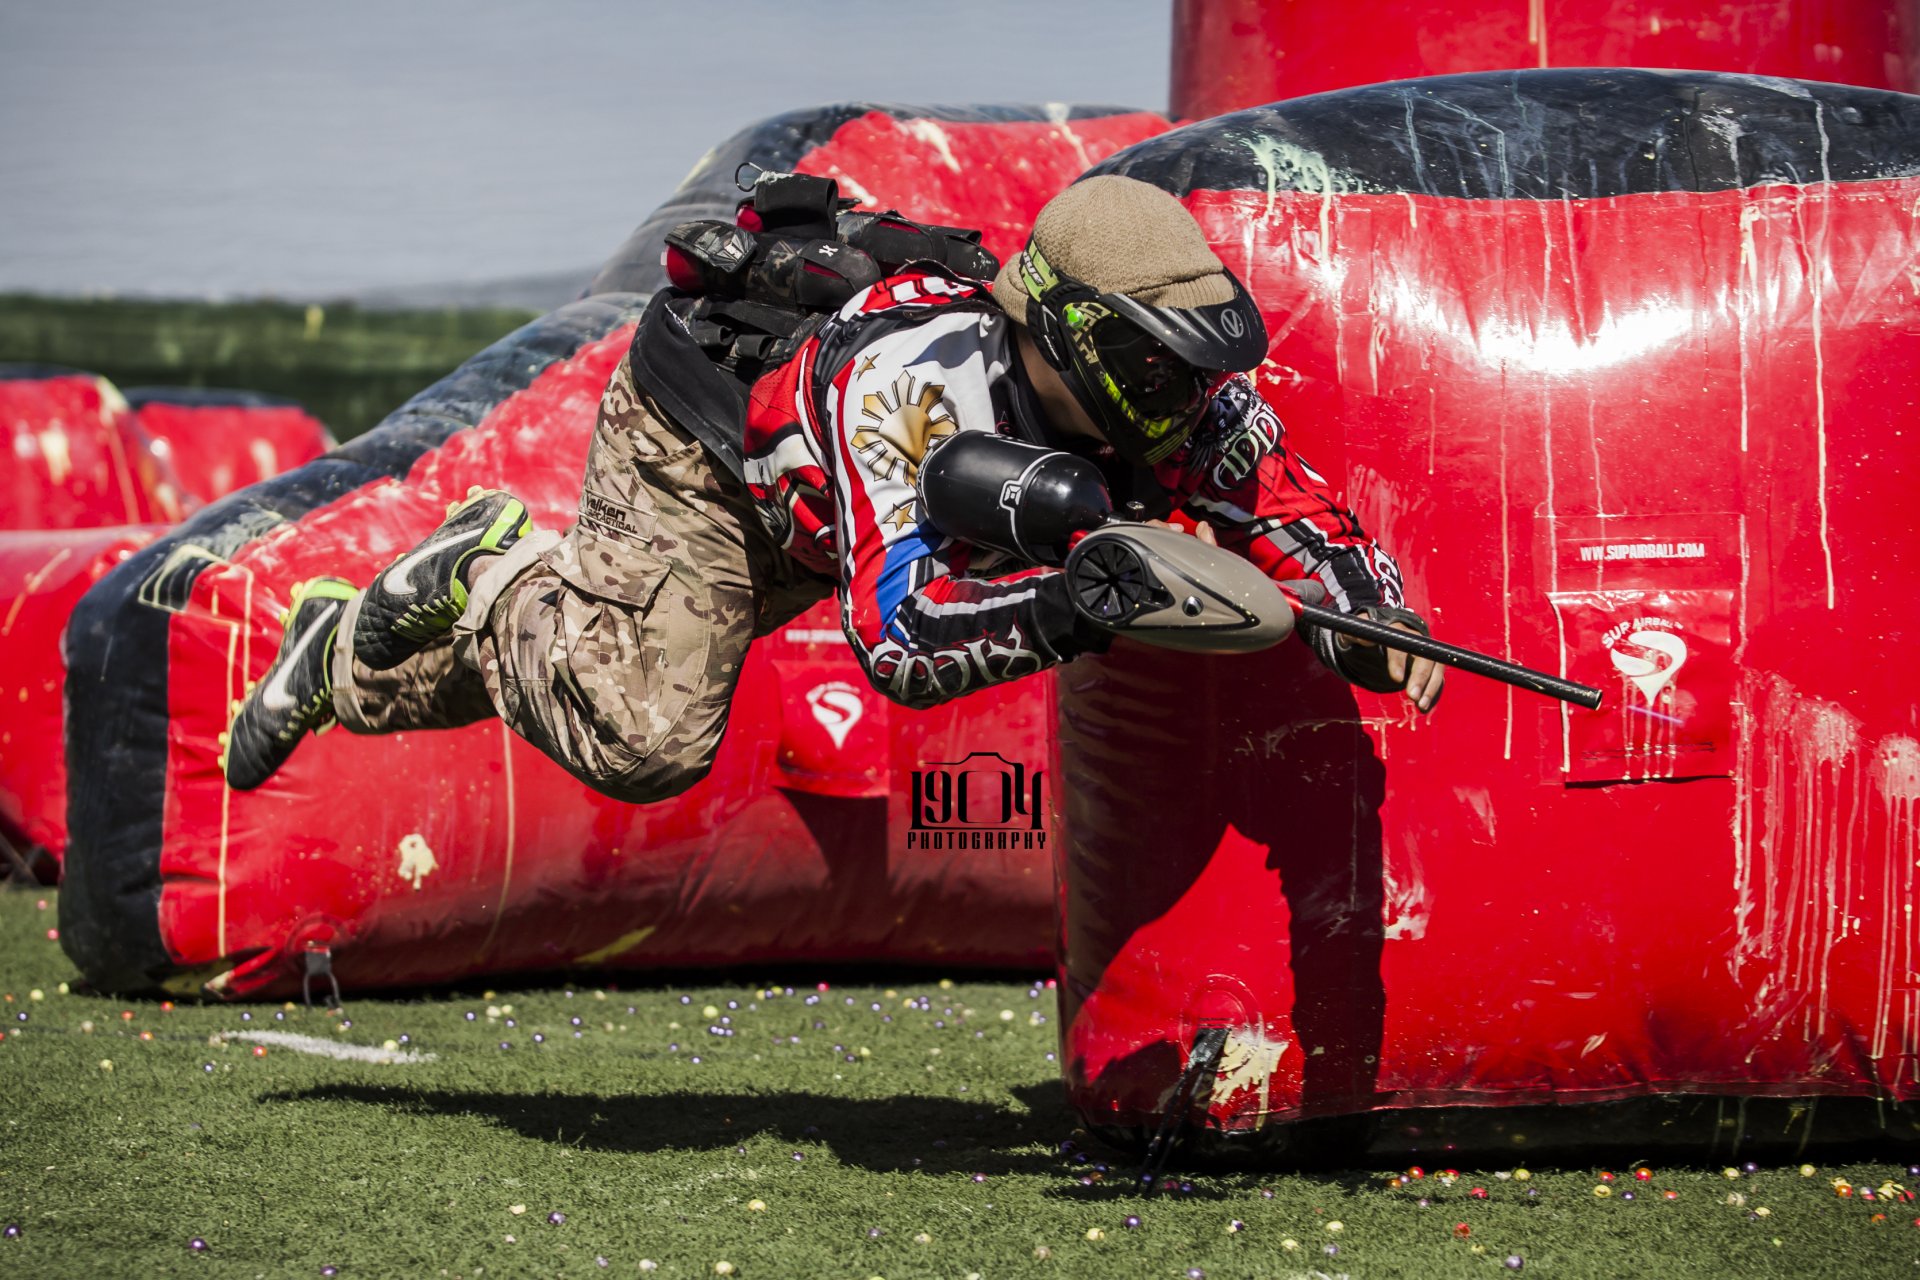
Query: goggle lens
x,y
1158,383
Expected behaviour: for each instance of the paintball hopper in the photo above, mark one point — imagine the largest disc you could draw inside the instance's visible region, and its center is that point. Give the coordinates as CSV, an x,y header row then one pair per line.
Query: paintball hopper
x,y
1170,589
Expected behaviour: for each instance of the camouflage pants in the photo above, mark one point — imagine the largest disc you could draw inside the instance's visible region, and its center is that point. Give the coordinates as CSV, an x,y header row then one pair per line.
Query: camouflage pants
x,y
615,647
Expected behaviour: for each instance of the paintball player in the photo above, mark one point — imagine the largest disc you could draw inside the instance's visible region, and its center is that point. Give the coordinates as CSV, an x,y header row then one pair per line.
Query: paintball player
x,y
614,647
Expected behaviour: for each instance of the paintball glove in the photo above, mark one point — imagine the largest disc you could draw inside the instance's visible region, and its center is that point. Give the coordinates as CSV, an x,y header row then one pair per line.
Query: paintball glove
x,y
1362,664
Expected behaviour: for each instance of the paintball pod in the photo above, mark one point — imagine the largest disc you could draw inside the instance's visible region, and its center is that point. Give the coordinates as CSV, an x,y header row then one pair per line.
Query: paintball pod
x,y
796,243
1157,585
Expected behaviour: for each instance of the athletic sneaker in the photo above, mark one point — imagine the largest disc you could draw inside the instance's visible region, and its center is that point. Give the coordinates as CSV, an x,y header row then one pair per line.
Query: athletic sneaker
x,y
422,594
296,695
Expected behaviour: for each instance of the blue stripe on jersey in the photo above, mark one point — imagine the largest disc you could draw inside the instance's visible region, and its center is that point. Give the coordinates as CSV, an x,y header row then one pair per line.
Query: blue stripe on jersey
x,y
896,573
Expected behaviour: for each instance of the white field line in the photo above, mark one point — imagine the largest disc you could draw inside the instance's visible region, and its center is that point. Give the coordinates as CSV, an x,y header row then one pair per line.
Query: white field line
x,y
328,1048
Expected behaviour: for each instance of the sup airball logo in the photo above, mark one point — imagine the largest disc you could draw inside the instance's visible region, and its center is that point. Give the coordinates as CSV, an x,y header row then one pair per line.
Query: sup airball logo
x,y
984,801
838,707
1648,653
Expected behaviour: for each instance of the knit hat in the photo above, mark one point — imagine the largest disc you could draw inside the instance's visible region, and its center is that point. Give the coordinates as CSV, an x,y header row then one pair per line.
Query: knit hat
x,y
1120,235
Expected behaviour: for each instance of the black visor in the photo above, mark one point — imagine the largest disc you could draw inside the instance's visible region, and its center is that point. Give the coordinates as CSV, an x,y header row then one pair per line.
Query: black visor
x,y
1227,337
1153,379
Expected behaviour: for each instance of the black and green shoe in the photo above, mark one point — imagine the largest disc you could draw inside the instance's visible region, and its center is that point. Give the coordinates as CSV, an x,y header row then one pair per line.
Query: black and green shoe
x,y
295,697
421,595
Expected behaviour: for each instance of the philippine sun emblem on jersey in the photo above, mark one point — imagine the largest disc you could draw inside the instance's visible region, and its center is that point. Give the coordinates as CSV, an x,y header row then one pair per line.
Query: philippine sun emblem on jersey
x,y
902,425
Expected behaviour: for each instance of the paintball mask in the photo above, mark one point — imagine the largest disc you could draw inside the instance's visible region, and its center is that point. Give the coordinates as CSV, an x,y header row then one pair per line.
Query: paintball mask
x,y
1144,374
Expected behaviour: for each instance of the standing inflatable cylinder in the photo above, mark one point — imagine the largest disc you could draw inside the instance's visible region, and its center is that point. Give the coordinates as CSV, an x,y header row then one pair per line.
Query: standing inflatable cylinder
x,y
1623,367
1229,54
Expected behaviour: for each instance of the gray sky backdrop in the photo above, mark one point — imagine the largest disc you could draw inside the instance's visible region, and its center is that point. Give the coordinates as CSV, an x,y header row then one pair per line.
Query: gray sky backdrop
x,y
238,147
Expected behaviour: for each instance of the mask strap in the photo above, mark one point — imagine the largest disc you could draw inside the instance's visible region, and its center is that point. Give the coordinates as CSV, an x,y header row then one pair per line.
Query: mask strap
x,y
1047,291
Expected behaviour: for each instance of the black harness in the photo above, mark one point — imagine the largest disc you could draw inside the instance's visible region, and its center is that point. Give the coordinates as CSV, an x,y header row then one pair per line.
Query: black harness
x,y
748,294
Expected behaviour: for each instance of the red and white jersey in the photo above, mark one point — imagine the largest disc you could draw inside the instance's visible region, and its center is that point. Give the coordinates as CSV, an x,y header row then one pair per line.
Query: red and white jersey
x,y
834,441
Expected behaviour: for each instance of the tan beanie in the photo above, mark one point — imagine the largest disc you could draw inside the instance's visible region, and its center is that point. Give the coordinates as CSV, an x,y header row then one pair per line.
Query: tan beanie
x,y
1121,235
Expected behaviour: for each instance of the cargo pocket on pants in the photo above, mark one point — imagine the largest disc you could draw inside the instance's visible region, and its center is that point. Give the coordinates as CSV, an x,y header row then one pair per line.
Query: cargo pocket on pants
x,y
627,653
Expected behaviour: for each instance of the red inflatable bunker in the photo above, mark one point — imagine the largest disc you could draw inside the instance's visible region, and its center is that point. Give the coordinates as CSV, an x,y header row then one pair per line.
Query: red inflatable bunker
x,y
217,441
421,858
1623,366
75,458
85,466
42,574
1229,54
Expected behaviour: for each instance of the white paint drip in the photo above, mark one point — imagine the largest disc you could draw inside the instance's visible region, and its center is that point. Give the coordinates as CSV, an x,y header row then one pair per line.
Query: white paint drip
x,y
57,450
416,859
1057,113
930,132
1743,757
1744,302
1810,874
1746,298
266,460
853,188
1405,908
1725,126
1899,769
1303,170
329,1048
1913,268
1433,423
1817,276
1546,457
1248,1060
1506,584
1481,802
112,405
1897,778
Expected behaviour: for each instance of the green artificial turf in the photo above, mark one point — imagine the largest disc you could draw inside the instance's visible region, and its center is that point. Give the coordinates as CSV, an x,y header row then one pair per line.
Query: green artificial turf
x,y
935,1151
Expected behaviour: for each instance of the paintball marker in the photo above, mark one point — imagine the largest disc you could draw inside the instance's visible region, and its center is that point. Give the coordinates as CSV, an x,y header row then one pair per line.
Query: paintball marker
x,y
1155,584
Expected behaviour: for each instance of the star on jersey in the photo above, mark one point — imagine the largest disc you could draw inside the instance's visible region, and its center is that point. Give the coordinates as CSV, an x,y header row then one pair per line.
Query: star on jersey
x,y
903,424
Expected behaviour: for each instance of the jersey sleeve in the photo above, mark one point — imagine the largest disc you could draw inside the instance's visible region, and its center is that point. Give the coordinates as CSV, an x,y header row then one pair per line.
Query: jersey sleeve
x,y
930,618
1242,477
1264,501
